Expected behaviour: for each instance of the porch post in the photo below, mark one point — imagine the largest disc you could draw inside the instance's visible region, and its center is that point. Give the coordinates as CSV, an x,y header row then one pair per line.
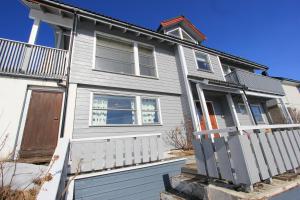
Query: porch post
x,y
286,112
34,31
233,110
188,88
246,103
204,107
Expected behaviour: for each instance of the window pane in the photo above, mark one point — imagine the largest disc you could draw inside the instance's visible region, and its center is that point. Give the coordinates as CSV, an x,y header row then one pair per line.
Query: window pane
x,y
147,71
149,104
146,61
202,61
187,37
257,113
120,117
114,55
150,117
113,110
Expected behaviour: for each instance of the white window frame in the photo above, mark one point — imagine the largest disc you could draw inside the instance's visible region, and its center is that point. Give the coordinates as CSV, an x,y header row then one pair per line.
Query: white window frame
x,y
138,110
158,110
180,30
135,54
194,41
93,94
261,111
211,70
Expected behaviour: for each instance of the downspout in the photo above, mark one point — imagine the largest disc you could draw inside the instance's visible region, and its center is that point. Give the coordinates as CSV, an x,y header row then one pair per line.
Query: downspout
x,y
74,28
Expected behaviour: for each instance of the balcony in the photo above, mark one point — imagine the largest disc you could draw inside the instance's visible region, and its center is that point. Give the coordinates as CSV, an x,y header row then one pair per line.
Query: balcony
x,y
27,60
255,82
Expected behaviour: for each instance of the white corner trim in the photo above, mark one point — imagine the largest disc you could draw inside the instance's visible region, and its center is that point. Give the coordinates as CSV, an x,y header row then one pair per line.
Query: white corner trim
x,y
220,64
136,59
70,114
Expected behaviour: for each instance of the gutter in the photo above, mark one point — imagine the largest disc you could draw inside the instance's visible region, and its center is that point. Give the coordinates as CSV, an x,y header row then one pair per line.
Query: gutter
x,y
148,32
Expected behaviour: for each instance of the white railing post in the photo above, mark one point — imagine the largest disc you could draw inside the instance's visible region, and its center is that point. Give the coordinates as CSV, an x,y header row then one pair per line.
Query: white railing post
x,y
204,107
286,112
246,103
233,110
34,31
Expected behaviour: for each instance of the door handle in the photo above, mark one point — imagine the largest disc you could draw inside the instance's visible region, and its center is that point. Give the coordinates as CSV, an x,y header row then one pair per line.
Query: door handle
x,y
55,118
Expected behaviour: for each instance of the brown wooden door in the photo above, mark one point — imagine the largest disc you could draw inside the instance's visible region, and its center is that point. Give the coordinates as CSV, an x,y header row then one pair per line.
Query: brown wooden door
x,y
42,125
212,117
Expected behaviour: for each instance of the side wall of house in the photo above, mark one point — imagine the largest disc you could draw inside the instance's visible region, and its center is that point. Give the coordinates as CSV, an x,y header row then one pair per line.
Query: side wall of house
x,y
292,97
12,102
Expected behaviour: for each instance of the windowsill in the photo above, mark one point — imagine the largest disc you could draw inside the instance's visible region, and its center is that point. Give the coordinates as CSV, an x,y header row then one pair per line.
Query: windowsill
x,y
125,125
133,75
205,70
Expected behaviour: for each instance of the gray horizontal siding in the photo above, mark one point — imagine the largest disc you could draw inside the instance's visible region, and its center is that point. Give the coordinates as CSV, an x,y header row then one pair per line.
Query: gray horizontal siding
x,y
82,62
144,183
193,70
171,111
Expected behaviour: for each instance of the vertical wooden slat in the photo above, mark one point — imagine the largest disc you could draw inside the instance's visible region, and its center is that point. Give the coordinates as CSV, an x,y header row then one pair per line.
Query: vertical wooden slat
x,y
43,62
35,55
276,153
210,158
15,62
297,137
6,56
2,54
110,153
31,59
199,155
119,153
128,151
282,149
153,148
294,145
11,57
160,147
289,148
98,155
145,149
269,157
137,148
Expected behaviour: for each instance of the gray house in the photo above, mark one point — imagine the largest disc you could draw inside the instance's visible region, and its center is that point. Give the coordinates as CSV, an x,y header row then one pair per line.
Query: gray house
x,y
125,88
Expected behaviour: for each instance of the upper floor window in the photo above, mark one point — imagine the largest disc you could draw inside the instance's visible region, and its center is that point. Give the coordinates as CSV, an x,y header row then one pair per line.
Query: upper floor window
x,y
202,61
113,110
120,56
146,61
114,55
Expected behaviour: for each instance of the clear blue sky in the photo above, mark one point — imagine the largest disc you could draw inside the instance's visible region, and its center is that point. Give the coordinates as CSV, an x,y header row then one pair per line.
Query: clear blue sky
x,y
264,31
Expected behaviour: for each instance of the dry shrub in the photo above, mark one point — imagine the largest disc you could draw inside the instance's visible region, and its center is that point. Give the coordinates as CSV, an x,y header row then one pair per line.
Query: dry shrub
x,y
181,137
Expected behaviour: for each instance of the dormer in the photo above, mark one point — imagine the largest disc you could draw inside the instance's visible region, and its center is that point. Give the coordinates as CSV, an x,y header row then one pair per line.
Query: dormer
x,y
182,28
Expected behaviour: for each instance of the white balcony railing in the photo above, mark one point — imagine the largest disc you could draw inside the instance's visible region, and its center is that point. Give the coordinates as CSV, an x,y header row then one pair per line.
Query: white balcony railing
x,y
19,58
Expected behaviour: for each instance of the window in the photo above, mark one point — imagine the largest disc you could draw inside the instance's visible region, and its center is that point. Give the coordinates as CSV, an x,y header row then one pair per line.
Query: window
x,y
113,110
257,113
114,55
202,61
242,108
146,61
149,111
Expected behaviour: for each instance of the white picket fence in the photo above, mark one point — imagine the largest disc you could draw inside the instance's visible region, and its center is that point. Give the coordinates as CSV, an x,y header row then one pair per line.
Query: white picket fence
x,y
113,152
250,154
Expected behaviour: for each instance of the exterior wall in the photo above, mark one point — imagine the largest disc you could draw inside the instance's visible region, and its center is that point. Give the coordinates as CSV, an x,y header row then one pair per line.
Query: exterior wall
x,y
292,98
142,183
13,94
83,56
171,115
217,71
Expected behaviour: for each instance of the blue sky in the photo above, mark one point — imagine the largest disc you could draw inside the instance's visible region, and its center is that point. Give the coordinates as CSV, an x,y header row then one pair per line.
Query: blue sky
x,y
264,31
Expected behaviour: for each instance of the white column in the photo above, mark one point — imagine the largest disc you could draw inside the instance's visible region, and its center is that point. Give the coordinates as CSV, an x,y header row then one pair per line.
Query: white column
x,y
70,114
286,111
246,103
136,59
138,110
233,110
204,107
188,88
34,31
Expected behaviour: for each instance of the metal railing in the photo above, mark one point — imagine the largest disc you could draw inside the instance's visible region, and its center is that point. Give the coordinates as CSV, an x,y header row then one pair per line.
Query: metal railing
x,y
246,155
255,82
19,58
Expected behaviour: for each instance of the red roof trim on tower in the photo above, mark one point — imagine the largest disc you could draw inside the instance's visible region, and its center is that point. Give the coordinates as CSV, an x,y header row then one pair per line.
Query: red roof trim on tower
x,y
182,19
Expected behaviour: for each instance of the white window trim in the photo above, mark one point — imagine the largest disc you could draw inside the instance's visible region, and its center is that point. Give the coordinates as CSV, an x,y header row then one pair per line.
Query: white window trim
x,y
138,104
135,53
209,61
261,111
158,110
